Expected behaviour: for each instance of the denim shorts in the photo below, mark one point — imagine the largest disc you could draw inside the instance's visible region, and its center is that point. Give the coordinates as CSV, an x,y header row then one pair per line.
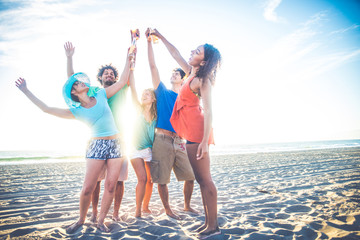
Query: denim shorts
x,y
103,149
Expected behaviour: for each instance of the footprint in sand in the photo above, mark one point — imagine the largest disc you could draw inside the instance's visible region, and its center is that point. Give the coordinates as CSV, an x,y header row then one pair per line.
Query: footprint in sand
x,y
53,215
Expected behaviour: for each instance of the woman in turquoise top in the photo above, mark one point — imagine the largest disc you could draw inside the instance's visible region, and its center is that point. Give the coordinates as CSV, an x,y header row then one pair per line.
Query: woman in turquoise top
x,y
103,146
143,139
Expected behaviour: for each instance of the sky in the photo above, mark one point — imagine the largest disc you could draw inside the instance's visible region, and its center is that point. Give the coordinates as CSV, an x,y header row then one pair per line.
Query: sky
x,y
290,69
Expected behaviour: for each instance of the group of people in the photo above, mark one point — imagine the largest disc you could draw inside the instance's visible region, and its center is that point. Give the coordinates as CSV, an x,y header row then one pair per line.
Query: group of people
x,y
173,132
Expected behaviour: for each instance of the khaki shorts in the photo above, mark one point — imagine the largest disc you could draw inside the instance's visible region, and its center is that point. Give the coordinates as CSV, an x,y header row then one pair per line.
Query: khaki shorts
x,y
169,153
124,171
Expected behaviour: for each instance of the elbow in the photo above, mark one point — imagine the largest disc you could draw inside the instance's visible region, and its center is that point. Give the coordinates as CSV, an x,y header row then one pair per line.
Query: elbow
x,y
46,110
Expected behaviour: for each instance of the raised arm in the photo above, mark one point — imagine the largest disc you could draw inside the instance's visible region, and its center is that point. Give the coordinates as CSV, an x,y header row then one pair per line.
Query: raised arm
x,y
63,113
155,76
113,89
134,94
69,52
205,90
174,52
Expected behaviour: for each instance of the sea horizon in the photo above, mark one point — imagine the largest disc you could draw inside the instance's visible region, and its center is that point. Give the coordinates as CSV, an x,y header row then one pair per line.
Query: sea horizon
x,y
51,156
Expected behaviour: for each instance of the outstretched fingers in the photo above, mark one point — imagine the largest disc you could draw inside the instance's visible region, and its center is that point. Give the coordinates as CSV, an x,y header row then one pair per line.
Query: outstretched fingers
x,y
20,82
69,49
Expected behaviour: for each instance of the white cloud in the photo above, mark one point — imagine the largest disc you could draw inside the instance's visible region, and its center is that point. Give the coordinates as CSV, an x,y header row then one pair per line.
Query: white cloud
x,y
343,30
269,11
307,51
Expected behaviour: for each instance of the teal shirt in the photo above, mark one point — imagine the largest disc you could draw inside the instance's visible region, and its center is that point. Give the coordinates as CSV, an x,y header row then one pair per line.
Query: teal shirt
x,y
116,104
99,117
144,133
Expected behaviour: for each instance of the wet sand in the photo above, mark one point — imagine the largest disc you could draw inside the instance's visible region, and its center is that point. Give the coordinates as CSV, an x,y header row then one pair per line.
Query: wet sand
x,y
284,195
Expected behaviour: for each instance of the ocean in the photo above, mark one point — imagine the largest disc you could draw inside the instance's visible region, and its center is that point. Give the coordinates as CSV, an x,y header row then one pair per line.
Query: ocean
x,y
31,157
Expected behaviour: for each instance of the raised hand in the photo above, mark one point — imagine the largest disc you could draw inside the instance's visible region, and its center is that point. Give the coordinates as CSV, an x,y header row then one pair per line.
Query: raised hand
x,y
147,34
69,49
135,34
156,33
21,84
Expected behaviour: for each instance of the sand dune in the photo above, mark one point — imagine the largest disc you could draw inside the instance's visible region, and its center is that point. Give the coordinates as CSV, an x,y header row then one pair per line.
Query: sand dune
x,y
288,195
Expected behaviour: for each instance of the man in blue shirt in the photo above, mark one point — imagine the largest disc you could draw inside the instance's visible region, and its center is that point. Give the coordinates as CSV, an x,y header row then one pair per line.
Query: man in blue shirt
x,y
169,152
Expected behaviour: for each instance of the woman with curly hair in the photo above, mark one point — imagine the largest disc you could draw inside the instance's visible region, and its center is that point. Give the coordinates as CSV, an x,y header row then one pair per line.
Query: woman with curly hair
x,y
194,123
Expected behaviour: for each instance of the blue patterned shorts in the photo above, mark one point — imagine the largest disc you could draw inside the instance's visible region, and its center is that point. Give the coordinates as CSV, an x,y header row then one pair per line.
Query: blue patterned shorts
x,y
103,149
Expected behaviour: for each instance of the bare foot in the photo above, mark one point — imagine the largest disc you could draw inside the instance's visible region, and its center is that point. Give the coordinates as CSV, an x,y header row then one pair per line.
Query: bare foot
x,y
146,210
73,227
137,213
116,218
201,228
102,227
93,218
172,215
209,233
189,209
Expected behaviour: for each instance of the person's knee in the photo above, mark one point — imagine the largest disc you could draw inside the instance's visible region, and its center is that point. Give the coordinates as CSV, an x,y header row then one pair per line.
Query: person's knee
x,y
189,182
204,182
87,190
110,186
142,180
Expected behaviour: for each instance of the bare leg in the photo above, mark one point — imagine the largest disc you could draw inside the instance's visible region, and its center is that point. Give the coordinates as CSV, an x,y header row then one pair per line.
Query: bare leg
x,y
95,202
188,190
113,167
93,169
204,226
119,193
148,189
139,167
164,196
208,190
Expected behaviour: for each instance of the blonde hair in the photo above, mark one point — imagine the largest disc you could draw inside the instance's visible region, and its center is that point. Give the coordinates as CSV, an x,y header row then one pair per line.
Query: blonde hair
x,y
153,109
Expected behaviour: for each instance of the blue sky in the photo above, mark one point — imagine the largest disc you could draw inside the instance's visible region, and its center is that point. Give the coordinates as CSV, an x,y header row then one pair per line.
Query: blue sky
x,y
290,68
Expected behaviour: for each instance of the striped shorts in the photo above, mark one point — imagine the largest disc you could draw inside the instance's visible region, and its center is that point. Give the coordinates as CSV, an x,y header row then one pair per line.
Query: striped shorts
x,y
103,149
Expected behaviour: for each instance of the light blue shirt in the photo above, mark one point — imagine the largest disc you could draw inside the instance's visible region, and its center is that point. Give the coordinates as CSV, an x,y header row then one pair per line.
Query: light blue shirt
x,y
98,117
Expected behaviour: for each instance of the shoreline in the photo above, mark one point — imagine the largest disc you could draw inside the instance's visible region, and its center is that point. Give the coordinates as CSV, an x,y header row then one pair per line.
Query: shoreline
x,y
79,158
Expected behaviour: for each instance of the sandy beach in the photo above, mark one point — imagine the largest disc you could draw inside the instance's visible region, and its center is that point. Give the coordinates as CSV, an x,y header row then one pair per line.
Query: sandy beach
x,y
311,194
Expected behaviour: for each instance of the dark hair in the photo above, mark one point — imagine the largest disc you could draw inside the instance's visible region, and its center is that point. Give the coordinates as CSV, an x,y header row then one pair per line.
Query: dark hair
x,y
212,60
103,68
73,97
182,73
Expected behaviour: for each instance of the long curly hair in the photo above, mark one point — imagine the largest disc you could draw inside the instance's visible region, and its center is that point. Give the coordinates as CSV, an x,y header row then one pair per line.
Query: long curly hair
x,y
153,109
103,68
212,58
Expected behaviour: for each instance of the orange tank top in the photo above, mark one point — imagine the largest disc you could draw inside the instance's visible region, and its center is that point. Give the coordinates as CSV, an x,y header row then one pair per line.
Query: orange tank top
x,y
187,117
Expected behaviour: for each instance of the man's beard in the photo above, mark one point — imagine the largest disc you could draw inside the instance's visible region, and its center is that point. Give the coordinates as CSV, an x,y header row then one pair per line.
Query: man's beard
x,y
108,83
